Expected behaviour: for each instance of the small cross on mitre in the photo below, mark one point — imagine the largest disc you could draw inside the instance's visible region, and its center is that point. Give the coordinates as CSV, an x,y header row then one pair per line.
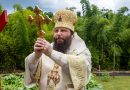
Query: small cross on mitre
x,y
60,19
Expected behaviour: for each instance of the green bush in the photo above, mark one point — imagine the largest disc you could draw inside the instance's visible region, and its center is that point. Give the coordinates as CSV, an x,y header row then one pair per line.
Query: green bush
x,y
105,76
14,82
93,84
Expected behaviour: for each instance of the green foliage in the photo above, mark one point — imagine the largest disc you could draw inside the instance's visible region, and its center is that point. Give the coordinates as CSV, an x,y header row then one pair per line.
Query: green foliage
x,y
30,8
20,34
17,39
14,82
93,84
105,33
7,51
105,76
86,8
79,14
0,9
71,8
50,14
17,7
122,10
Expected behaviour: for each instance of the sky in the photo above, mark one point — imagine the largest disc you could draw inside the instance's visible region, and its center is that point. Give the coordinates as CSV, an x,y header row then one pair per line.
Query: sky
x,y
54,5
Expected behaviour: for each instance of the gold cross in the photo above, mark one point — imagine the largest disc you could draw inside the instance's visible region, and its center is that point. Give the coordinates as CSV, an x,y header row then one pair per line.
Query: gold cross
x,y
38,20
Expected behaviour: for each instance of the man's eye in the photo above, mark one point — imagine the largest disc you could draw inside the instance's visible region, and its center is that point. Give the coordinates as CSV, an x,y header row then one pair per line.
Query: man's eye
x,y
63,30
56,30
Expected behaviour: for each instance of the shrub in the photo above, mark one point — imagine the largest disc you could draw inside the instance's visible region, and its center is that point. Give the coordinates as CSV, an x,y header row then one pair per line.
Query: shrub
x,y
14,82
93,84
105,76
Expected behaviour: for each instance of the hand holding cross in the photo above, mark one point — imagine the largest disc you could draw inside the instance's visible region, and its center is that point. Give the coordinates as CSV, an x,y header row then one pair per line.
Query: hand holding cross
x,y
38,20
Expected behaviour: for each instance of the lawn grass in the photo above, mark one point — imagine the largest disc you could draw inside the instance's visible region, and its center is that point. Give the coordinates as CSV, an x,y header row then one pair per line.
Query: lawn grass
x,y
116,83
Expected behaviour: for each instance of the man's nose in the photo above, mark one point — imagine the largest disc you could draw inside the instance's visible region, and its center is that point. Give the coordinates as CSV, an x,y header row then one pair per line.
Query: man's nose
x,y
59,33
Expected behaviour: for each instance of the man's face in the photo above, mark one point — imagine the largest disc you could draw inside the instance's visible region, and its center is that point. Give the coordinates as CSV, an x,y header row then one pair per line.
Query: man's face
x,y
61,34
62,39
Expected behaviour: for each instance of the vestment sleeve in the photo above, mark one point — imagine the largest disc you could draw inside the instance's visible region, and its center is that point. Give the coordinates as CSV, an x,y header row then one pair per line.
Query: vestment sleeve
x,y
79,70
31,63
78,66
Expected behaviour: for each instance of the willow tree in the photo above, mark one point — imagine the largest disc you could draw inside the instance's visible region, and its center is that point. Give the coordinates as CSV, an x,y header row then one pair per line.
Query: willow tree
x,y
119,26
17,28
86,8
17,7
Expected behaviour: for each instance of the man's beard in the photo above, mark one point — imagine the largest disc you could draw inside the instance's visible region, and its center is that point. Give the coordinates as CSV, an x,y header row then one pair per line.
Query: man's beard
x,y
62,47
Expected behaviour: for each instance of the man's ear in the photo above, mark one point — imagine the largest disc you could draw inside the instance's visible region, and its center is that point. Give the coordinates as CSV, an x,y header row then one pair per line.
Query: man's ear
x,y
73,35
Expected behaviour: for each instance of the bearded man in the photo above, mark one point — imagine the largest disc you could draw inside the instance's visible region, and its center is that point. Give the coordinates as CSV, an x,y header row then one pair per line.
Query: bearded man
x,y
64,64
